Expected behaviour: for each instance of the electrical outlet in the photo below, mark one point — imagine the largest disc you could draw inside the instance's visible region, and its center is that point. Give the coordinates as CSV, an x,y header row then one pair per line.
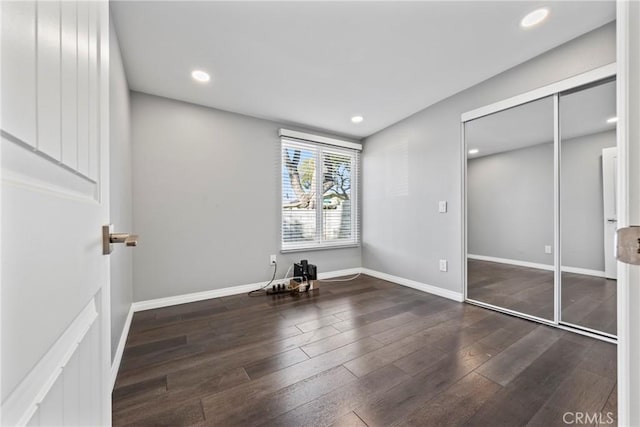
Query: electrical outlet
x,y
547,249
443,265
272,260
442,206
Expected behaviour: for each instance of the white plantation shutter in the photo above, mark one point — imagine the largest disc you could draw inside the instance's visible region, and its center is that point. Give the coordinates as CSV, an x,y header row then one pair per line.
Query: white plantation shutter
x,y
319,191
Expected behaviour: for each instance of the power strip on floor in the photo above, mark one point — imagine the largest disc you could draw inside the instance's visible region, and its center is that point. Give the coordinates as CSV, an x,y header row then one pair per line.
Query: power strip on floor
x,y
291,288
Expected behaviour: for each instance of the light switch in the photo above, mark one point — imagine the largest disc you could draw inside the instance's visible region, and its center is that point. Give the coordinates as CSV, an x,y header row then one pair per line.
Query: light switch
x,y
547,249
442,206
443,265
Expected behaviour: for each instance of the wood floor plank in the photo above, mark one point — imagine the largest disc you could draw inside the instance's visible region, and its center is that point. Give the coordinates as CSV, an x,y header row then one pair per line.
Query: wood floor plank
x,y
454,406
349,420
516,358
420,360
352,335
330,407
610,410
601,359
407,329
362,320
210,343
311,325
582,391
142,391
288,376
184,415
195,366
215,364
135,409
261,407
520,399
143,349
409,396
429,338
274,363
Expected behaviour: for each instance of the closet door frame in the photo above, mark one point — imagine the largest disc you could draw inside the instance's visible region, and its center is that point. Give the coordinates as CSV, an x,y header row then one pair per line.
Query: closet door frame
x,y
553,90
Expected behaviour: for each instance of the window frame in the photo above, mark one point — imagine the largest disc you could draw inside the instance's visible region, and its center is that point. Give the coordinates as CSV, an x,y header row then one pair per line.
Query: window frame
x,y
319,243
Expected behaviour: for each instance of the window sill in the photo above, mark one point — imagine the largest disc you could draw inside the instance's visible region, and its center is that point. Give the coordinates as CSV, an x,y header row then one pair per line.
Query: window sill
x,y
320,248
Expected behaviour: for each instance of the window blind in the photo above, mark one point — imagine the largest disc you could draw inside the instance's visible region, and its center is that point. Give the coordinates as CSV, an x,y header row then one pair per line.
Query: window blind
x,y
319,189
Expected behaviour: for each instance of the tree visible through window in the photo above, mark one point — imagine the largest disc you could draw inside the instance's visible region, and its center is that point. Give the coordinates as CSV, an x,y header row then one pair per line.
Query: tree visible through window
x,y
318,212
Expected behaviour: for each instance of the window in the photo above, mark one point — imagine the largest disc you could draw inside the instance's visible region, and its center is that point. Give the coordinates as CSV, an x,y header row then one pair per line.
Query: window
x,y
319,195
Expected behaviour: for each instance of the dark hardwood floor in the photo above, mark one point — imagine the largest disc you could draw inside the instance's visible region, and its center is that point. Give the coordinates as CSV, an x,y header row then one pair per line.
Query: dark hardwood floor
x,y
587,301
365,352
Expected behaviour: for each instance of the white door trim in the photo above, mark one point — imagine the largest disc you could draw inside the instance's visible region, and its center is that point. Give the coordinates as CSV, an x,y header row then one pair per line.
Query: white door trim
x,y
594,75
105,139
623,309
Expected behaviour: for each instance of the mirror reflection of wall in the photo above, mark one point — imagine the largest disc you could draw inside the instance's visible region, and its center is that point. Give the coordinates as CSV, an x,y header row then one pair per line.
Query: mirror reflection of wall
x,y
587,206
510,209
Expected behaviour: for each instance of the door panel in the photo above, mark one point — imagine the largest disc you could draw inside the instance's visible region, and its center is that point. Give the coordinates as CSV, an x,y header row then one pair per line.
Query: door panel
x,y
510,224
55,318
587,133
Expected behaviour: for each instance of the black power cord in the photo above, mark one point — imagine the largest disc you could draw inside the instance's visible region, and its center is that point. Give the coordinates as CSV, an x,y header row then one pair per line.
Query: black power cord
x,y
262,291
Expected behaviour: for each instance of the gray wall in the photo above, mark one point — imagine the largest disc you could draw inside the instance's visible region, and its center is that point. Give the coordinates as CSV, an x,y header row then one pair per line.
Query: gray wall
x,y
121,211
582,213
206,200
403,232
510,204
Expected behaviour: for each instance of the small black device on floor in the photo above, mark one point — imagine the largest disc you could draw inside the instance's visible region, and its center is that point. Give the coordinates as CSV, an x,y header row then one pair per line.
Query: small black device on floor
x,y
304,272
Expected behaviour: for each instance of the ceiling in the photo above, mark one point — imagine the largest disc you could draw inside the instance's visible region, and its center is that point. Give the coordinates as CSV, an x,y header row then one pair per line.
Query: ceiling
x,y
583,112
317,64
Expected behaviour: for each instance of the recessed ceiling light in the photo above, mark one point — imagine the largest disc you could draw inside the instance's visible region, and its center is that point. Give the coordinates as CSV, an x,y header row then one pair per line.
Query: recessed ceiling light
x,y
474,151
200,76
612,120
534,18
357,119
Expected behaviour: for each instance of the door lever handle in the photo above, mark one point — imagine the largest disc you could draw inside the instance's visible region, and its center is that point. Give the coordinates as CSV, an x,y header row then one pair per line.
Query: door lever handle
x,y
627,245
126,238
612,220
109,238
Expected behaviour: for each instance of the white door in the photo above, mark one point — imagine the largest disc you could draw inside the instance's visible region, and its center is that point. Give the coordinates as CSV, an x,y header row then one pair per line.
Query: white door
x,y
609,199
54,200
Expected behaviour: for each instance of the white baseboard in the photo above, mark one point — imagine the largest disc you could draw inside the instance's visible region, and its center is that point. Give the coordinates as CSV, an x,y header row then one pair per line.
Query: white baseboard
x,y
193,297
512,262
241,289
223,292
585,271
456,296
576,270
115,366
339,273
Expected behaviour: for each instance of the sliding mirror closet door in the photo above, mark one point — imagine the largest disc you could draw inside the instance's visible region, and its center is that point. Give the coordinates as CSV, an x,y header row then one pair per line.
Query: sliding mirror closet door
x,y
587,207
510,209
